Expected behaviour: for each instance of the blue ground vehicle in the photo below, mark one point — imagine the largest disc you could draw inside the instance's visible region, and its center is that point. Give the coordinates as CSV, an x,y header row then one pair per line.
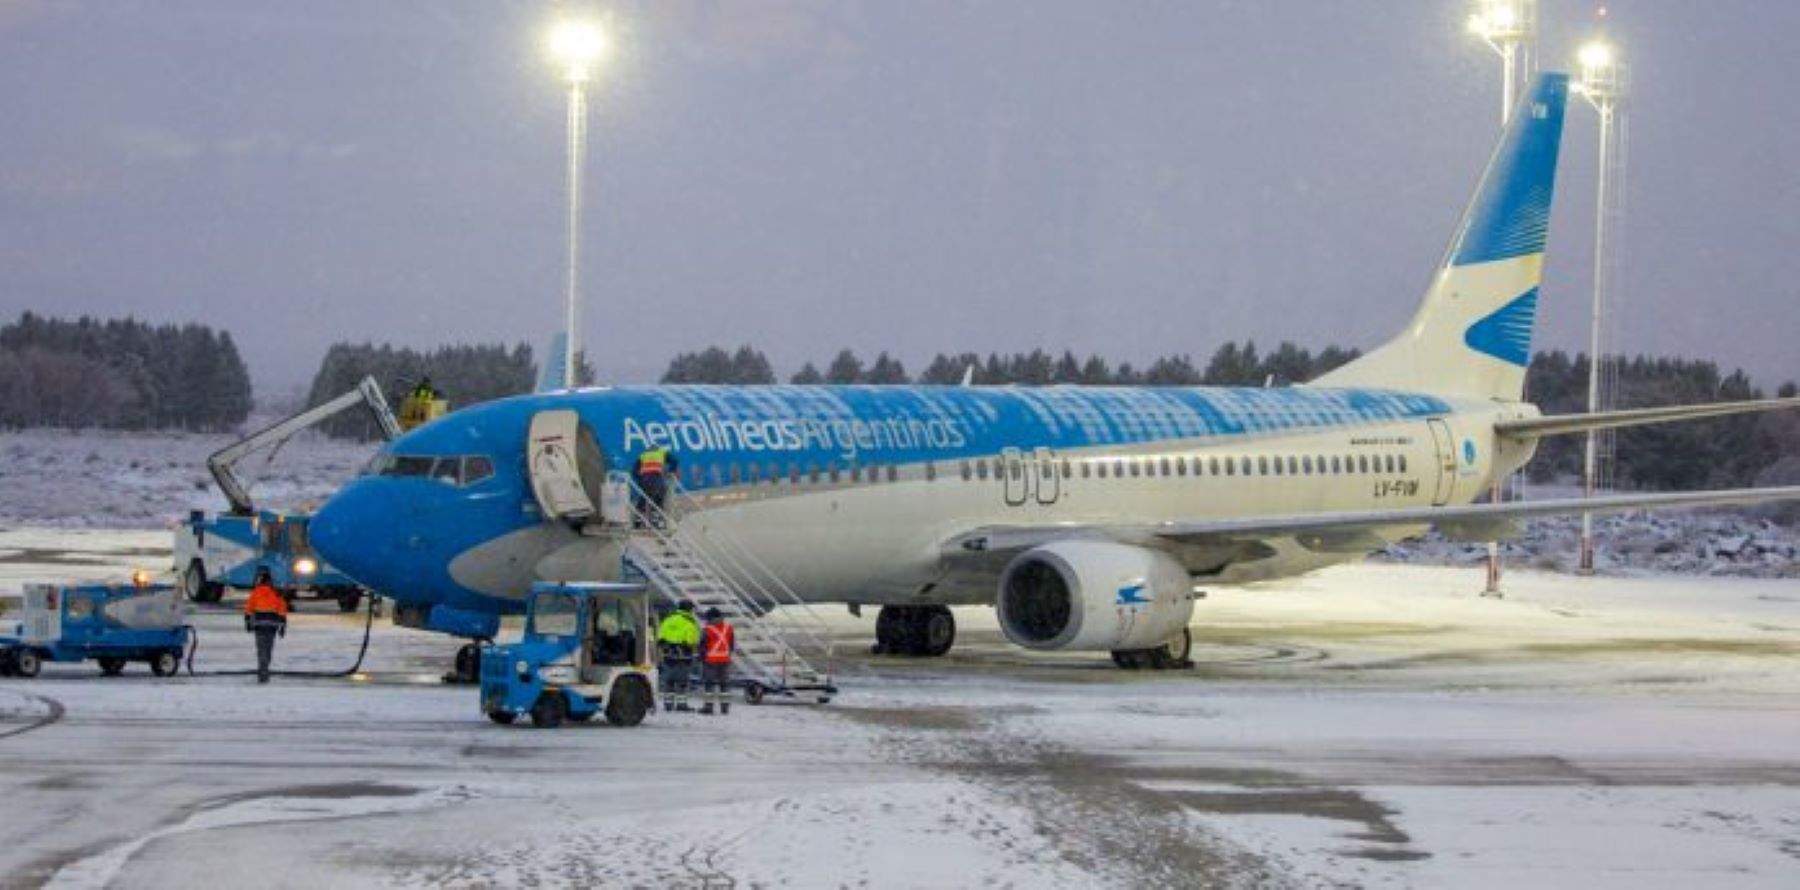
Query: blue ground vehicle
x,y
112,624
227,550
216,552
588,649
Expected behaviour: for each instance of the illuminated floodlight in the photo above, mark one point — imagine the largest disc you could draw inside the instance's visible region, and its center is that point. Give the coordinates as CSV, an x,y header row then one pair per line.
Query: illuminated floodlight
x,y
577,46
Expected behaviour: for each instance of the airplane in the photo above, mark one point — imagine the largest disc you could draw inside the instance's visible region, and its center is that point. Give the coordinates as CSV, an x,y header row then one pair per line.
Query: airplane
x,y
1086,515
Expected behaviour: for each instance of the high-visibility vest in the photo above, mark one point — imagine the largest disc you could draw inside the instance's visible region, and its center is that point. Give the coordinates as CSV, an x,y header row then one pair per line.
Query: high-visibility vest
x,y
651,462
263,598
718,643
678,629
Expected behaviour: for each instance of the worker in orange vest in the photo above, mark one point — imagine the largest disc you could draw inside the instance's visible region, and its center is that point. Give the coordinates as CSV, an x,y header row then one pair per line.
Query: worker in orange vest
x,y
717,642
265,614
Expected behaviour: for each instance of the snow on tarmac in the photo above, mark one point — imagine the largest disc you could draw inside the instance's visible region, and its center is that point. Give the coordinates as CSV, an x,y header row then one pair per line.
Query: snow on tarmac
x,y
1371,725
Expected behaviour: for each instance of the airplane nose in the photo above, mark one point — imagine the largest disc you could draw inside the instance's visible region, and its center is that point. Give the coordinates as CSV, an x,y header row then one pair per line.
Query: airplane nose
x,y
353,533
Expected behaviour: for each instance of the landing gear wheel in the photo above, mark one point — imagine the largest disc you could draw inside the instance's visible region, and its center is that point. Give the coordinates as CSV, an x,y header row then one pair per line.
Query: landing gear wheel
x,y
887,631
468,664
753,693
348,601
629,702
1172,655
936,631
165,663
27,663
504,718
111,666
1129,659
549,710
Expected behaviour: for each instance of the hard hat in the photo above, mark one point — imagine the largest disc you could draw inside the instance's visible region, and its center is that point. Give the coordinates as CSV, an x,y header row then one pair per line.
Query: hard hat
x,y
713,614
685,605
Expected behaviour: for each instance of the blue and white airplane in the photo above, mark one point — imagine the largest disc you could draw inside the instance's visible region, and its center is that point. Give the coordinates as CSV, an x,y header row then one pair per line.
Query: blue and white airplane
x,y
1086,515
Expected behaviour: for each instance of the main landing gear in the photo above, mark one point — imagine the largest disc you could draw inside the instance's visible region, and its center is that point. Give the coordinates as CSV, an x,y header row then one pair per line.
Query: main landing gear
x,y
1172,655
914,630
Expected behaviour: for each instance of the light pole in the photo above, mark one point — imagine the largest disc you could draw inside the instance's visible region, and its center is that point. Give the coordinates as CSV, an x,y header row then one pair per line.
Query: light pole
x,y
1603,84
576,46
1509,27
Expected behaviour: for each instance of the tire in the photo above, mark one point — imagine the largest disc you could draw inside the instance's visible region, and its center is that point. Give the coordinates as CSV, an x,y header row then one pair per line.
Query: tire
x,y
165,663
887,630
347,602
549,710
629,702
1128,659
1172,655
936,631
27,663
196,588
753,693
504,718
111,666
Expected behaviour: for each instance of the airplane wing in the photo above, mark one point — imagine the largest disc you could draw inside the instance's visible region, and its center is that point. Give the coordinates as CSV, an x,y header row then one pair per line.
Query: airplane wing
x,y
1346,531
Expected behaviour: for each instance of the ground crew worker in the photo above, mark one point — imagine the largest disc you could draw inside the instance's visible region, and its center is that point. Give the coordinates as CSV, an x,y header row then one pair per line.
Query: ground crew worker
x,y
265,614
651,473
424,391
716,645
677,637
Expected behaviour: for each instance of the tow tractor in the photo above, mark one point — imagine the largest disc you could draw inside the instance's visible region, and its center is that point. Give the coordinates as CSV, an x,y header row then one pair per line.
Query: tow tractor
x,y
112,624
227,550
587,650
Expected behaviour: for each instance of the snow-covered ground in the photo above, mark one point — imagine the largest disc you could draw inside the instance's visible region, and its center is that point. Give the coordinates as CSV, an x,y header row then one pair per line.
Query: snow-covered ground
x,y
99,479
1372,725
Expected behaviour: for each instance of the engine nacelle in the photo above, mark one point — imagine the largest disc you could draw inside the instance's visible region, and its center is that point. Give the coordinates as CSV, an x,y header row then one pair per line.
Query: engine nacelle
x,y
1094,595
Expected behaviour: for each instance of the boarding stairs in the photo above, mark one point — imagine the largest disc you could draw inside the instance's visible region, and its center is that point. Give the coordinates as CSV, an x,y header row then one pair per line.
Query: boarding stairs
x,y
783,646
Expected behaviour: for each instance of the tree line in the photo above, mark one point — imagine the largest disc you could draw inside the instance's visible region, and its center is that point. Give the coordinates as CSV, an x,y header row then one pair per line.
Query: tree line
x,y
465,374
1231,365
120,374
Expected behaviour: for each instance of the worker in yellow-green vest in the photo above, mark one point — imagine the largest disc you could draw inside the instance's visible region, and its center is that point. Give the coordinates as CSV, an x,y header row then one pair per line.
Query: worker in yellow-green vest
x,y
651,473
678,637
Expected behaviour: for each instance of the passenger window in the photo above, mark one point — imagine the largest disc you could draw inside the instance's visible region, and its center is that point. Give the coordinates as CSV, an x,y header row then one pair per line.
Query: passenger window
x,y
1017,471
893,472
1306,465
1293,465
832,468
1336,467
1402,463
1067,469
1389,460
965,469
1102,468
755,473
1136,470
1244,465
794,473
1164,463
476,469
1362,463
1087,469
1212,463
1262,466
1198,465
1181,467
737,473
1118,469
930,471
774,472
981,470
812,472
718,475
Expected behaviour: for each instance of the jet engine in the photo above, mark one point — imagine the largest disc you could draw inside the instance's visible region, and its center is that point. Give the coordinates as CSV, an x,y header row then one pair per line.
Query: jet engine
x,y
1094,595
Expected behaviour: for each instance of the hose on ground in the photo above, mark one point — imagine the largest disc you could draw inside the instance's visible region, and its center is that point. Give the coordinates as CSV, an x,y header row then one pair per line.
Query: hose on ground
x,y
368,630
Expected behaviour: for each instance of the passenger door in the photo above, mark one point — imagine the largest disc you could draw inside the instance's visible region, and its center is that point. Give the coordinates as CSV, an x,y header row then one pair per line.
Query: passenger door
x,y
1049,484
1445,452
1014,480
555,461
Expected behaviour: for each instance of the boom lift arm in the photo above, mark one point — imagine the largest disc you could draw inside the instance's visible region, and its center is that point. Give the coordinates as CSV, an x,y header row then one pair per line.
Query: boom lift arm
x,y
224,461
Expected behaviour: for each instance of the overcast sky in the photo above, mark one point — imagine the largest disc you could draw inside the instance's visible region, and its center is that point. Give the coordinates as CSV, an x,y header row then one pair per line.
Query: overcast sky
x,y
1130,178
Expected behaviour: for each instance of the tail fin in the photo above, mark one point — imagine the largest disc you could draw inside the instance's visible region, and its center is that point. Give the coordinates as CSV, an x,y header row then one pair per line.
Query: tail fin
x,y
1472,334
555,367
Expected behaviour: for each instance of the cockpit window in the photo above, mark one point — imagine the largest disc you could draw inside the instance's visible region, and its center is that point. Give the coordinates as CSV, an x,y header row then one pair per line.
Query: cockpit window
x,y
449,470
476,468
